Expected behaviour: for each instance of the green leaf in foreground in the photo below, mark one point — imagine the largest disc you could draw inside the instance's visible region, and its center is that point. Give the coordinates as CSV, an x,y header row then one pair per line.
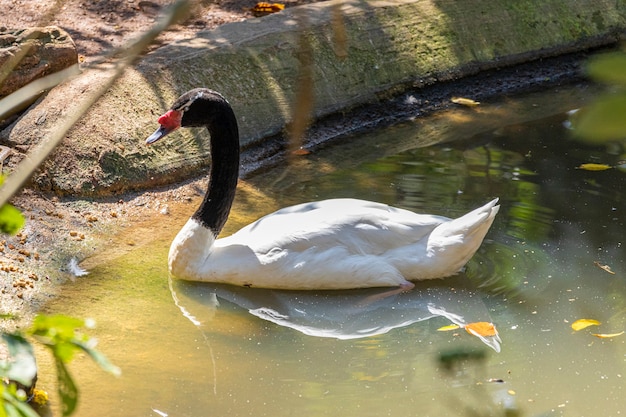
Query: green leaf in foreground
x,y
21,365
11,219
58,332
12,405
608,68
603,120
67,389
99,358
62,336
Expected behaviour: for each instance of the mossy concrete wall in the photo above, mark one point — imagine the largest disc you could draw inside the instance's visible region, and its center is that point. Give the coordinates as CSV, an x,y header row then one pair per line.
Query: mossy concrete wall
x,y
381,47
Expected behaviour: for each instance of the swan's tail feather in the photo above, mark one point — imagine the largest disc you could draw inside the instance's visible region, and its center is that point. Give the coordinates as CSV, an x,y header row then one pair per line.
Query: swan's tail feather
x,y
453,243
475,221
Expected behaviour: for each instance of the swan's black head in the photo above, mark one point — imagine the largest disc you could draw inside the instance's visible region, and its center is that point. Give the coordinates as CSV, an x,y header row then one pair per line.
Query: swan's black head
x,y
199,107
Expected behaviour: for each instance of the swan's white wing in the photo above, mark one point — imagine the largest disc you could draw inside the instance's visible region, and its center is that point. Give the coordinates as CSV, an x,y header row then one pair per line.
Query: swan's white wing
x,y
359,227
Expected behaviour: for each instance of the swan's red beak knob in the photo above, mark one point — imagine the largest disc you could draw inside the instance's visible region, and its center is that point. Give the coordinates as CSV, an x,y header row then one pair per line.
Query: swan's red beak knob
x,y
169,122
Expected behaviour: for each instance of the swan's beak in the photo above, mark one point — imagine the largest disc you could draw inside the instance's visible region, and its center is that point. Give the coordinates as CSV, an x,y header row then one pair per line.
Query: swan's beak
x,y
160,132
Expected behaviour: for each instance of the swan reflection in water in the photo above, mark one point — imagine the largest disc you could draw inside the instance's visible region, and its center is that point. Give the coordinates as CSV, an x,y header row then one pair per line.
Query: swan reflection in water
x,y
347,314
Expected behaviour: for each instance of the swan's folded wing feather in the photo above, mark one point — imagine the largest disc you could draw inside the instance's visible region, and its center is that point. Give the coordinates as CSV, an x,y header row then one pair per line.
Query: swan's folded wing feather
x,y
361,227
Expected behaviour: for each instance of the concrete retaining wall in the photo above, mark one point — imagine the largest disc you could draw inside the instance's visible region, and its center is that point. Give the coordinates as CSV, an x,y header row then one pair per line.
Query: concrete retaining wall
x,y
380,47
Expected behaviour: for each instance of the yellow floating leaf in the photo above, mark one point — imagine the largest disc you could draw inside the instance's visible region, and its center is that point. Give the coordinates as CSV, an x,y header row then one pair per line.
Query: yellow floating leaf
x,y
607,336
362,376
481,328
604,267
448,328
594,167
584,323
464,101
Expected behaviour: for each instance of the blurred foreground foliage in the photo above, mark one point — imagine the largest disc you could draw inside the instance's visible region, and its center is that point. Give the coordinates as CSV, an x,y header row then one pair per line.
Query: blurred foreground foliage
x,y
604,120
62,335
11,219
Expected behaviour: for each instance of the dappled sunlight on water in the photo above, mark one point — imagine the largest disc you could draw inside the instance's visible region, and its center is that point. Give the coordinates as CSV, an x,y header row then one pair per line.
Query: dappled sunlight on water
x,y
188,349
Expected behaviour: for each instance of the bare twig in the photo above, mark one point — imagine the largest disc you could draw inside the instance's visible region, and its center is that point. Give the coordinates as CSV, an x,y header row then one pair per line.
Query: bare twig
x,y
305,95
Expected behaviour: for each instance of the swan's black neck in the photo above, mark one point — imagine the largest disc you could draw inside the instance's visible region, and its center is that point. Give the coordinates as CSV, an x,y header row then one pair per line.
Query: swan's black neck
x,y
210,109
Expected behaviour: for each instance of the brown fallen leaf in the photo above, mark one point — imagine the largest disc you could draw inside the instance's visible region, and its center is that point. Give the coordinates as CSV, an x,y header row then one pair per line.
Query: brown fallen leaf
x,y
604,267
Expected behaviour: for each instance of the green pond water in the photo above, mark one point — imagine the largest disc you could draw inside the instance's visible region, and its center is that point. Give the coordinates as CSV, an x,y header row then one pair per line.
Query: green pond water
x,y
204,350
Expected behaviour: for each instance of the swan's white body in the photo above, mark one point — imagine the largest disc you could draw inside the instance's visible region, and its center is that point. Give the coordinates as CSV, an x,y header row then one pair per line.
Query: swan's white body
x,y
332,244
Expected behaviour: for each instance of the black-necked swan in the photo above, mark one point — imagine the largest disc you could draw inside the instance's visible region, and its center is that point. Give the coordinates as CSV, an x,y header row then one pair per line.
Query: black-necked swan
x,y
330,244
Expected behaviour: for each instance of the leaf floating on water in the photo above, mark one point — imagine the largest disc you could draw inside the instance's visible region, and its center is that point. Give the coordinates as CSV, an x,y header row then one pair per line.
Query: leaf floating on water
x,y
584,323
300,152
481,328
594,167
448,328
362,376
604,267
464,101
607,336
